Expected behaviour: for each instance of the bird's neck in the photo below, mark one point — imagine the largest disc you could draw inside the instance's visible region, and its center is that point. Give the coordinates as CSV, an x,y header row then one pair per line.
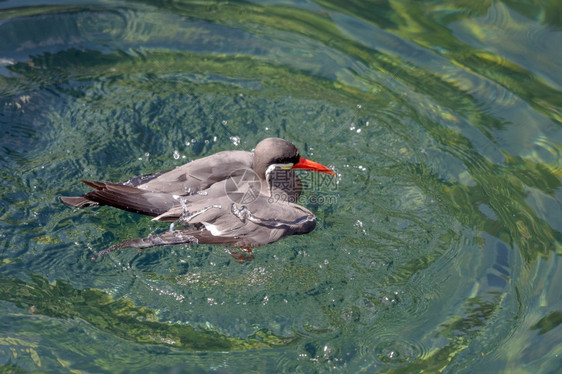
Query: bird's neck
x,y
282,184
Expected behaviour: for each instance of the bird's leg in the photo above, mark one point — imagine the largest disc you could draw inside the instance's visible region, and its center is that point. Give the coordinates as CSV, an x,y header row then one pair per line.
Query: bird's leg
x,y
245,255
166,238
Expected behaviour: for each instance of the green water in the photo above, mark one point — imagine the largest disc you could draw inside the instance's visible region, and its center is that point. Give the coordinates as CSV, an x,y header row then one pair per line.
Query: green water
x,y
437,250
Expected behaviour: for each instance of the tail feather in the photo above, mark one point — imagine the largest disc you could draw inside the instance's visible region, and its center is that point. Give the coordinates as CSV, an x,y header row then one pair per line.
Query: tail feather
x,y
124,197
131,198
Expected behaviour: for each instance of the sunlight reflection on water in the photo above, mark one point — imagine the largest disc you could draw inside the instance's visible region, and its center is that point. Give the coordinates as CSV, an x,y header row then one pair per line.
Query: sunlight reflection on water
x,y
436,248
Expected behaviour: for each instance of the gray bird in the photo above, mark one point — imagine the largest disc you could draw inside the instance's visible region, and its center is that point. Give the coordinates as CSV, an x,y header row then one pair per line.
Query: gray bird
x,y
238,198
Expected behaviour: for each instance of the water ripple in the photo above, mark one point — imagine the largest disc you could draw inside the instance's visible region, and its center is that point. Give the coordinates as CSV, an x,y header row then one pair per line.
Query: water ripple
x,y
396,351
443,130
102,26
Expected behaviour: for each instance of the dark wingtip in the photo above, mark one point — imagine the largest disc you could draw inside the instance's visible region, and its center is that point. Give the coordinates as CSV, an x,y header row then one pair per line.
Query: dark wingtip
x,y
77,201
93,184
166,238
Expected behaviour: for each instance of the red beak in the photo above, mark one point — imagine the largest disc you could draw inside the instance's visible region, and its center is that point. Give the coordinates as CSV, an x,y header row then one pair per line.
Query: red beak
x,y
311,165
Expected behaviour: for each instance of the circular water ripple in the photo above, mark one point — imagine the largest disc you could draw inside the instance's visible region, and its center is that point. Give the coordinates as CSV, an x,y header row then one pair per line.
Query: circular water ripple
x,y
395,304
396,351
548,152
394,264
102,26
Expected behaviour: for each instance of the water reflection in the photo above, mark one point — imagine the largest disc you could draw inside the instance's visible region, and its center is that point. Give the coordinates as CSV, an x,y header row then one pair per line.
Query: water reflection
x,y
440,251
